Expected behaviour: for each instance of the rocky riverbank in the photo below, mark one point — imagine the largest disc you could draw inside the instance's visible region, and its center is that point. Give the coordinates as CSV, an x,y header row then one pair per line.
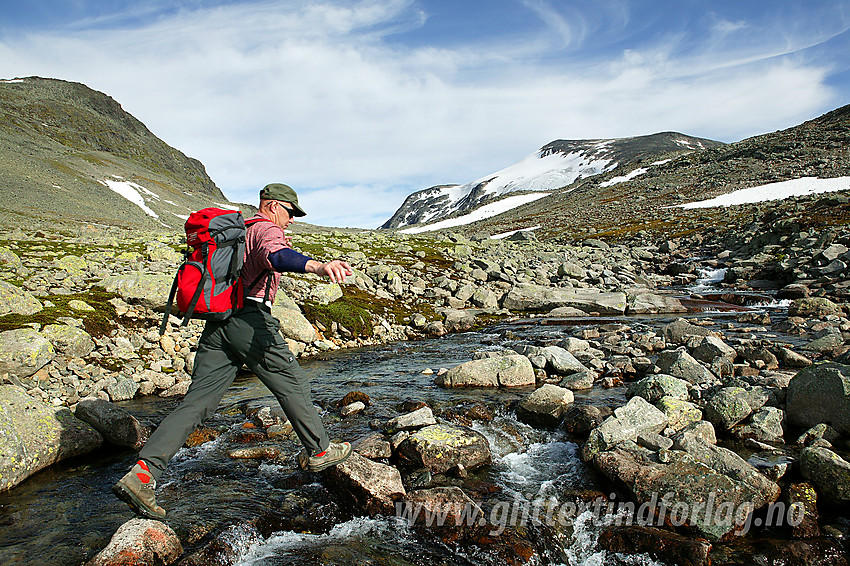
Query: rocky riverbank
x,y
80,310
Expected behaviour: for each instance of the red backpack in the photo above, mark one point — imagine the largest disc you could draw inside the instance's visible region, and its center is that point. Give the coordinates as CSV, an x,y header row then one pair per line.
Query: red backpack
x,y
208,285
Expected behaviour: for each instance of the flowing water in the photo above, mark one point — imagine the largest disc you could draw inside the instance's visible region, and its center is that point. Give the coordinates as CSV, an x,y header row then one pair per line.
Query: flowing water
x,y
271,513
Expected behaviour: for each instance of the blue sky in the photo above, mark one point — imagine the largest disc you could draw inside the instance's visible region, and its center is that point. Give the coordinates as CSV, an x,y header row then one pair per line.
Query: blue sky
x,y
356,104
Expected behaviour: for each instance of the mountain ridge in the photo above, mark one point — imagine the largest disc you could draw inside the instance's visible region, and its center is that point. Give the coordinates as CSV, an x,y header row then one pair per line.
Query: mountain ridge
x,y
71,153
644,195
557,164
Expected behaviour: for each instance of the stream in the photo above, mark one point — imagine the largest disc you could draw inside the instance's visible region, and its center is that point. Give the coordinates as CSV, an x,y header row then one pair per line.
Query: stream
x,y
270,513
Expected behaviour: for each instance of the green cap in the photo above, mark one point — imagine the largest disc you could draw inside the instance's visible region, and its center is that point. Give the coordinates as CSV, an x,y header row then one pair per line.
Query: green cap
x,y
281,192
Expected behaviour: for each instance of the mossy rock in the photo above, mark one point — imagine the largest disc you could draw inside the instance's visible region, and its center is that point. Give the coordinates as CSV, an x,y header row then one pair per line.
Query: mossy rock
x,y
16,301
353,311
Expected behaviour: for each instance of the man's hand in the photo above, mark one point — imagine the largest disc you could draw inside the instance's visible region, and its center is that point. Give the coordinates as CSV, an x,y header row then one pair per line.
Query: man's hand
x,y
336,270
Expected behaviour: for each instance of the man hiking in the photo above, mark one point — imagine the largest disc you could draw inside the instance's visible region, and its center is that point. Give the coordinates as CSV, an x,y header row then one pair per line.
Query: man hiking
x,y
251,336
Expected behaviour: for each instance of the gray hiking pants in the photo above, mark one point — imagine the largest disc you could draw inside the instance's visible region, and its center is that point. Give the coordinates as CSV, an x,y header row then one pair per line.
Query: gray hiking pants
x,y
251,336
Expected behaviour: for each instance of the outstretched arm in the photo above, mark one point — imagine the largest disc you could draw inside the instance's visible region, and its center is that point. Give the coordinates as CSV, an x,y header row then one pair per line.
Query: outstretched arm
x,y
337,270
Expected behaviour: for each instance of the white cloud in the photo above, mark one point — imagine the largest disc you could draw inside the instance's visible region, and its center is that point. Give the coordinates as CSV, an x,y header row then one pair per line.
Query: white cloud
x,y
725,27
324,97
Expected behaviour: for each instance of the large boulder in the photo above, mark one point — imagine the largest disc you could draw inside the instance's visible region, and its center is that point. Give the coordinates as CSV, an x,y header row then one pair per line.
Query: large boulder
x,y
679,363
579,380
23,351
728,407
69,340
369,487
820,394
686,491
442,447
645,302
727,462
15,300
709,348
419,418
295,325
825,341
766,425
326,293
148,289
531,297
9,260
123,389
654,387
680,331
34,435
680,413
141,542
790,358
459,320
117,425
828,471
505,371
814,306
545,406
561,361
636,417
443,507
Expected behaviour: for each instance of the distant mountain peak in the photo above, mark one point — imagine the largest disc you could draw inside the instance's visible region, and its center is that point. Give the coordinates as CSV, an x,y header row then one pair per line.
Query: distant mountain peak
x,y
556,165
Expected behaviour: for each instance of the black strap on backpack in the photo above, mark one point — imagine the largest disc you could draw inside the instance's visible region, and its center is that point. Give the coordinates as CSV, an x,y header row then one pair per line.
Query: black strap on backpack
x,y
173,292
268,273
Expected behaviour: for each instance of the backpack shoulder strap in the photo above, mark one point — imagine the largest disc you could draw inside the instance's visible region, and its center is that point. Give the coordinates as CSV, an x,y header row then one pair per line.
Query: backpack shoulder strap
x,y
267,273
251,221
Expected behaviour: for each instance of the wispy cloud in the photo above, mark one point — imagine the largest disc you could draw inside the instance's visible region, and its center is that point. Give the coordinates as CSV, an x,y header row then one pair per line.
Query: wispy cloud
x,y
328,96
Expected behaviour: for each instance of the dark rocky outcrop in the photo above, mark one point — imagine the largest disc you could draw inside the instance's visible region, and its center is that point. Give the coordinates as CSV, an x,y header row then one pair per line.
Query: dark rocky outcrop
x,y
117,425
821,394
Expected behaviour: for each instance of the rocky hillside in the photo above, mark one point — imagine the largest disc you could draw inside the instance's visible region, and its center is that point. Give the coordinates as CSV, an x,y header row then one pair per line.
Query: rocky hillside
x,y
556,165
70,154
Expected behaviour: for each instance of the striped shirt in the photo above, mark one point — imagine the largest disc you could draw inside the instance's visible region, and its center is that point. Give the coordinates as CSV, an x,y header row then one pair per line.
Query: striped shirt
x,y
264,239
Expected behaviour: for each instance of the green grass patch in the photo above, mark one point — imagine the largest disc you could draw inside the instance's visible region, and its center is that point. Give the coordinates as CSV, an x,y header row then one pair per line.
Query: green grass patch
x,y
57,247
357,308
98,322
348,311
421,249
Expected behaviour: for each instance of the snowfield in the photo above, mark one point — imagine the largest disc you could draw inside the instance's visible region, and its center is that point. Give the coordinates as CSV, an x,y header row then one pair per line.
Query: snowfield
x,y
481,213
130,191
627,177
534,173
775,191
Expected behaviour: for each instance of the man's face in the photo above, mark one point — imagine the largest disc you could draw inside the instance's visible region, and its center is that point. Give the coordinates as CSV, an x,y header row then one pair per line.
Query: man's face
x,y
282,213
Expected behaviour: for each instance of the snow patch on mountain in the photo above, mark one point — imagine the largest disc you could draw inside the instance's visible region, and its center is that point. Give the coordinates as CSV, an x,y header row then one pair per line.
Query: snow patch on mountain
x,y
512,232
553,168
481,213
542,173
775,191
627,177
133,193
535,173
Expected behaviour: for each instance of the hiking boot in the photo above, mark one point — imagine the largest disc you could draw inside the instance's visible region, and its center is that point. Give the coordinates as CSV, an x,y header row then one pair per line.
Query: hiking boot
x,y
136,490
334,454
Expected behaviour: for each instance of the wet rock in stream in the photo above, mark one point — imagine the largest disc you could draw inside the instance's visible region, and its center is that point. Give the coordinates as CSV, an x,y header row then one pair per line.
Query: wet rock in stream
x,y
141,542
